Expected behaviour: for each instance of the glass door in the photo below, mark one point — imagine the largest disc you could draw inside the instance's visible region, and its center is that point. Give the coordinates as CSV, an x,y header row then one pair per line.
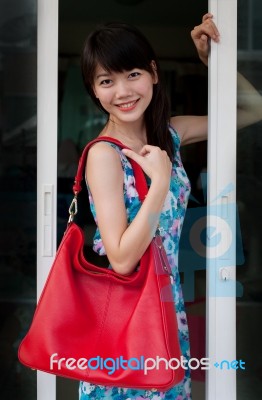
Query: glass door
x,y
249,192
234,280
18,158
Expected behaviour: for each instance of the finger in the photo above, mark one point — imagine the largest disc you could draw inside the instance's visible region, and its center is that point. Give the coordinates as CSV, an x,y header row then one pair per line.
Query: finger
x,y
204,39
213,26
206,16
210,23
198,32
207,28
133,155
146,149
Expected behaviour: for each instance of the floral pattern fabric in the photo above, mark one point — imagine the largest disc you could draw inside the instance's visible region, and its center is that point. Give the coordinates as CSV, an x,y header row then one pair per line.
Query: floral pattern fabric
x,y
171,222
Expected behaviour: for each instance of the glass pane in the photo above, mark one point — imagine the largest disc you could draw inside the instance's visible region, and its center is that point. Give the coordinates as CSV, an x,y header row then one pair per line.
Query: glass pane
x,y
249,190
257,27
242,24
18,191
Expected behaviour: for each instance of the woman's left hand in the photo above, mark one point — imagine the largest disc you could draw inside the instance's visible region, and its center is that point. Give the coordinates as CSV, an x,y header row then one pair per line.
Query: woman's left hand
x,y
201,35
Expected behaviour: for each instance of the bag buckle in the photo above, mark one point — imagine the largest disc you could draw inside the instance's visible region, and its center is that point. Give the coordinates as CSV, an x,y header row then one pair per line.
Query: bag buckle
x,y
72,209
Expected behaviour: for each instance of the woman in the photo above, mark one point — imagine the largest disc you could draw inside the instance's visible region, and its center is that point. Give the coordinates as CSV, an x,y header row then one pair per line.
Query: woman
x,y
122,75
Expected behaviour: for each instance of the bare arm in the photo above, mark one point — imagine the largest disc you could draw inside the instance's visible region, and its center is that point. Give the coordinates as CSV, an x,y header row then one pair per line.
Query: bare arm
x,y
194,128
191,128
249,101
125,244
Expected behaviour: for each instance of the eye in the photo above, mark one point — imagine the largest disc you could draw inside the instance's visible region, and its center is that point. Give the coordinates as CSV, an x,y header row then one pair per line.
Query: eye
x,y
106,82
134,74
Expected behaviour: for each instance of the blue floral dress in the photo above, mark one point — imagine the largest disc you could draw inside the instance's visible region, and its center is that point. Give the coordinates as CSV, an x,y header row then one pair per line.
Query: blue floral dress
x,y
171,221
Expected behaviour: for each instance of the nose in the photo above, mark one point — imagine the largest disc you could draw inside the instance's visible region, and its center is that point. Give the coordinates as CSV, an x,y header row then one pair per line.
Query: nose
x,y
123,89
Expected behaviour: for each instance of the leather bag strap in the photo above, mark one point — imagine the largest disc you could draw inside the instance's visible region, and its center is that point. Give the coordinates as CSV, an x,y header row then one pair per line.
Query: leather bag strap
x,y
140,181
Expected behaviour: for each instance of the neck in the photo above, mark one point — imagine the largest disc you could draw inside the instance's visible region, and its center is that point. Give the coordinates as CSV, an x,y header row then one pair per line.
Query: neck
x,y
132,135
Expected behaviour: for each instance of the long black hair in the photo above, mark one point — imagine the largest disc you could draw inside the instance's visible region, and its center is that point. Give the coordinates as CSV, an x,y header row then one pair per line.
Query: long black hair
x,y
119,47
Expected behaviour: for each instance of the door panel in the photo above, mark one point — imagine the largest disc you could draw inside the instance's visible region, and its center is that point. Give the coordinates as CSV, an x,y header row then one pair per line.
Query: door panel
x,y
249,192
18,97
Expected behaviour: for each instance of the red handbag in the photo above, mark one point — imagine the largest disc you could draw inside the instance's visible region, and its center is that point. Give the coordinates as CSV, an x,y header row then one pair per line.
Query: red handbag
x,y
95,325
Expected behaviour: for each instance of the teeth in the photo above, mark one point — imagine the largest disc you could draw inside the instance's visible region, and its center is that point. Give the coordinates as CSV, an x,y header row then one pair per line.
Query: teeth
x,y
127,105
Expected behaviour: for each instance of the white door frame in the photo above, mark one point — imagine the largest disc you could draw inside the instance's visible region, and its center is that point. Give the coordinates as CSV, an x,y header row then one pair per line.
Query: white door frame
x,y
47,81
220,296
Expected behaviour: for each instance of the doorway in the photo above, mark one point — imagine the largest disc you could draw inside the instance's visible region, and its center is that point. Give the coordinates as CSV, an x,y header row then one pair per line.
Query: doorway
x,y
168,29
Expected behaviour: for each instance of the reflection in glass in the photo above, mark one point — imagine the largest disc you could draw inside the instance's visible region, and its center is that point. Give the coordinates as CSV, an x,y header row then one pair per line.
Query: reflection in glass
x,y
18,191
249,198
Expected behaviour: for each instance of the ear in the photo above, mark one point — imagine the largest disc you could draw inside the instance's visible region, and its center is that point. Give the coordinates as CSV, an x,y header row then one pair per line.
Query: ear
x,y
154,71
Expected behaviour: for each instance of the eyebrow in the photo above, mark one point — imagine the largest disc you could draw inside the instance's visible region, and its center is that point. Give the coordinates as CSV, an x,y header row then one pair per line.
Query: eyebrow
x,y
103,74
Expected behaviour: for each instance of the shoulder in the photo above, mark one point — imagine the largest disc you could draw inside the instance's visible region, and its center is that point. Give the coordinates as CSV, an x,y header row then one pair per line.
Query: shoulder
x,y
103,151
104,154
103,163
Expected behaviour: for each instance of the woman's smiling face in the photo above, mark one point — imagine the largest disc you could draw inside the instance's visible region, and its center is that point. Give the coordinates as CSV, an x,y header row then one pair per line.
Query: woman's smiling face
x,y
124,95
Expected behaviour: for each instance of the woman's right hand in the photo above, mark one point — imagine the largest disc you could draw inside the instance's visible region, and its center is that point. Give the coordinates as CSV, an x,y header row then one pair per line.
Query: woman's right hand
x,y
154,162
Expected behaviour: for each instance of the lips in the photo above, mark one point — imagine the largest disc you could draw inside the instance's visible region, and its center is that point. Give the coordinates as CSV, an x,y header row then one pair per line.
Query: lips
x,y
127,106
